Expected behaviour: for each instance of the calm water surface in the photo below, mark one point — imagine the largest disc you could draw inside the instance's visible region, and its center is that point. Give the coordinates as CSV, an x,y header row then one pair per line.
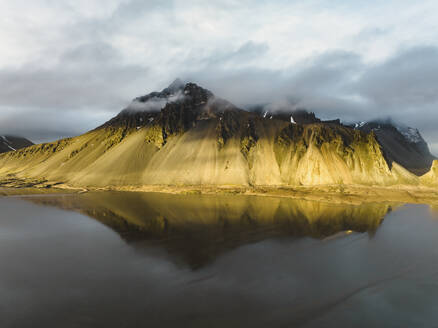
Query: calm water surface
x,y
156,260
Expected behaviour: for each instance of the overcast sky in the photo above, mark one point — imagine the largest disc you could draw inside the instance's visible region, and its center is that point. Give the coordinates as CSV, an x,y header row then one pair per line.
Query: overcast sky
x,y
67,66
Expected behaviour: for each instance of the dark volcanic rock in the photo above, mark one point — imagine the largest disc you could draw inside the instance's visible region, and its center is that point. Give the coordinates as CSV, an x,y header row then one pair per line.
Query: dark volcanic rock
x,y
11,143
298,116
403,145
182,114
181,106
175,108
304,117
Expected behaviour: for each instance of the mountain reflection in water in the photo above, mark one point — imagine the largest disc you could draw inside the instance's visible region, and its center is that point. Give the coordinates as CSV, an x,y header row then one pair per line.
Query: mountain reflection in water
x,y
196,229
159,260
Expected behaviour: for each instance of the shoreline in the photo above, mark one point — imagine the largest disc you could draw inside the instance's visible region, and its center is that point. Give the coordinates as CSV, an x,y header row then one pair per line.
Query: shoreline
x,y
337,194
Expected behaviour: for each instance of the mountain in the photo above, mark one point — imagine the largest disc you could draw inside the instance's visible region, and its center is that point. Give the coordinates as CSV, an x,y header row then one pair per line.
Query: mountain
x,y
11,143
186,136
401,144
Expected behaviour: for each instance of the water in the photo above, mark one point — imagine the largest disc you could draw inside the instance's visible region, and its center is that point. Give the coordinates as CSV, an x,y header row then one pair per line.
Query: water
x,y
157,260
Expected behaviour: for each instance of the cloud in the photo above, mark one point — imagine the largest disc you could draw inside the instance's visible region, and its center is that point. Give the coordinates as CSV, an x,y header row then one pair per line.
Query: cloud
x,y
67,66
88,85
407,80
341,84
89,75
326,75
245,55
42,125
155,104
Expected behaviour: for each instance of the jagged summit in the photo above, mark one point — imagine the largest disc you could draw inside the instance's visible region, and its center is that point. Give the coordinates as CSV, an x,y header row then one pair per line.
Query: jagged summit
x,y
177,91
297,116
300,116
190,99
176,108
175,86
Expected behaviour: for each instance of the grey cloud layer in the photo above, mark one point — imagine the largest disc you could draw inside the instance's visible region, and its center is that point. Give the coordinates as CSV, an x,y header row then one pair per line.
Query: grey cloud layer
x,y
88,59
89,84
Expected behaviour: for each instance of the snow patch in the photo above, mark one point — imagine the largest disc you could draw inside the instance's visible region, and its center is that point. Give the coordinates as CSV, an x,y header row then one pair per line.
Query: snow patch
x,y
359,125
411,134
7,143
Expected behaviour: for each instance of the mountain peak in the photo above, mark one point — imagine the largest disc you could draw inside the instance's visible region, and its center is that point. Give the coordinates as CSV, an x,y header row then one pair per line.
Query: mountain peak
x,y
8,143
177,90
175,86
180,103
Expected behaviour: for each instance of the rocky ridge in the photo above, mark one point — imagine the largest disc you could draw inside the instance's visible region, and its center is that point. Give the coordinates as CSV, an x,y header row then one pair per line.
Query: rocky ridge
x,y
185,136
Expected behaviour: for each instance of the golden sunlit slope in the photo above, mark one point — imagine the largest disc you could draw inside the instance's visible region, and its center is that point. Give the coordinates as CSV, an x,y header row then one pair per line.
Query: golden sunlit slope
x,y
431,178
201,140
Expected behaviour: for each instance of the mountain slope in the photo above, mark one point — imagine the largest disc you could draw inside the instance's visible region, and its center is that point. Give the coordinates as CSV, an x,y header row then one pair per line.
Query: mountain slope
x,y
184,135
401,144
11,143
431,177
